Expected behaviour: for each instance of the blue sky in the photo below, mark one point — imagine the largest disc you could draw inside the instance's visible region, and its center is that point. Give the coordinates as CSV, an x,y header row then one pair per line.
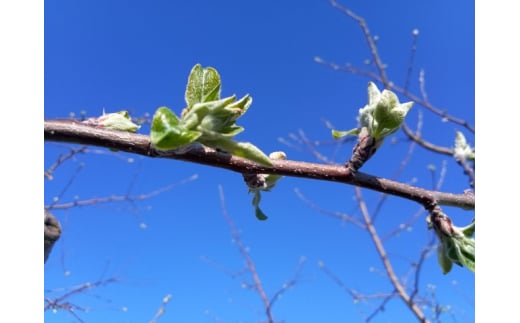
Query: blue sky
x,y
136,56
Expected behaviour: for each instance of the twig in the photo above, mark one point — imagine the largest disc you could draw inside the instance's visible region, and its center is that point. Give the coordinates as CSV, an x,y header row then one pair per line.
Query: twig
x,y
161,309
61,159
62,303
119,198
249,262
289,284
342,216
386,262
368,37
413,50
70,131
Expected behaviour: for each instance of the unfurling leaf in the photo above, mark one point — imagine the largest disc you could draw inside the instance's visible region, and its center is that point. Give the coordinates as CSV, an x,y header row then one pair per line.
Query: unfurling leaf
x,y
116,121
168,133
457,245
203,85
240,149
339,134
462,149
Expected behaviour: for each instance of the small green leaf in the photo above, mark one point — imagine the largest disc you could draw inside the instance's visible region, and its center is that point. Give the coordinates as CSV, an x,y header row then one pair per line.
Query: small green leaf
x,y
116,121
256,202
384,114
469,230
203,85
260,215
445,262
167,133
193,117
240,149
338,134
462,149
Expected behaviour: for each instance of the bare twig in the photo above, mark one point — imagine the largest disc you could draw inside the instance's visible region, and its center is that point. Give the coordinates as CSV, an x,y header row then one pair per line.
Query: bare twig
x,y
368,37
413,50
386,262
425,144
338,215
249,261
161,309
62,303
290,283
424,254
61,159
119,198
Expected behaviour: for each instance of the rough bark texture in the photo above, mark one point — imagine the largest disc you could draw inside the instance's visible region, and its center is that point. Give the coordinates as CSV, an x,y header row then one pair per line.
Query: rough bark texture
x,y
51,233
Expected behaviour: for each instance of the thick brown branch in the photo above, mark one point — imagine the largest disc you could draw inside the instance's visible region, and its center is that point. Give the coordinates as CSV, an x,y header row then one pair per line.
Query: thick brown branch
x,y
74,132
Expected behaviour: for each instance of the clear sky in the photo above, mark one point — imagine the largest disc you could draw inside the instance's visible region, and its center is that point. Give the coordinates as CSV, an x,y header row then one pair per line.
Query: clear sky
x,y
136,56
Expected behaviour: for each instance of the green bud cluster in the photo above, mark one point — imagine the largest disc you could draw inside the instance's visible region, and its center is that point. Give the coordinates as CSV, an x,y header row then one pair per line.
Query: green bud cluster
x,y
207,119
116,121
382,116
457,244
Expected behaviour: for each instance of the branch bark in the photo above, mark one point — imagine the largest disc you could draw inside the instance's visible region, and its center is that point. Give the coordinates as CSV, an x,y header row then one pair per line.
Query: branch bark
x,y
51,233
72,131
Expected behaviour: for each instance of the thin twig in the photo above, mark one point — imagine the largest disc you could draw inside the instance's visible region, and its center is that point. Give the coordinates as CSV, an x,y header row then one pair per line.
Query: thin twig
x,y
119,198
62,303
61,159
161,309
386,262
245,254
338,215
368,37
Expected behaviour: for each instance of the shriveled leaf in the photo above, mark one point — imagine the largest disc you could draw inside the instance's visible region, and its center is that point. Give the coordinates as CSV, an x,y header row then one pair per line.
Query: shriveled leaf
x,y
167,132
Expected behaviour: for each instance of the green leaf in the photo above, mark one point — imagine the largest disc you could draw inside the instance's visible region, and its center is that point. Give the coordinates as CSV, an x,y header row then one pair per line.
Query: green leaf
x,y
469,230
462,148
167,133
203,85
256,202
118,121
338,134
260,215
240,149
193,117
444,261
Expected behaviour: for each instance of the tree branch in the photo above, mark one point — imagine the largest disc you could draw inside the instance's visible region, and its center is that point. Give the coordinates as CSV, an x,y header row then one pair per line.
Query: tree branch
x,y
384,257
75,132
